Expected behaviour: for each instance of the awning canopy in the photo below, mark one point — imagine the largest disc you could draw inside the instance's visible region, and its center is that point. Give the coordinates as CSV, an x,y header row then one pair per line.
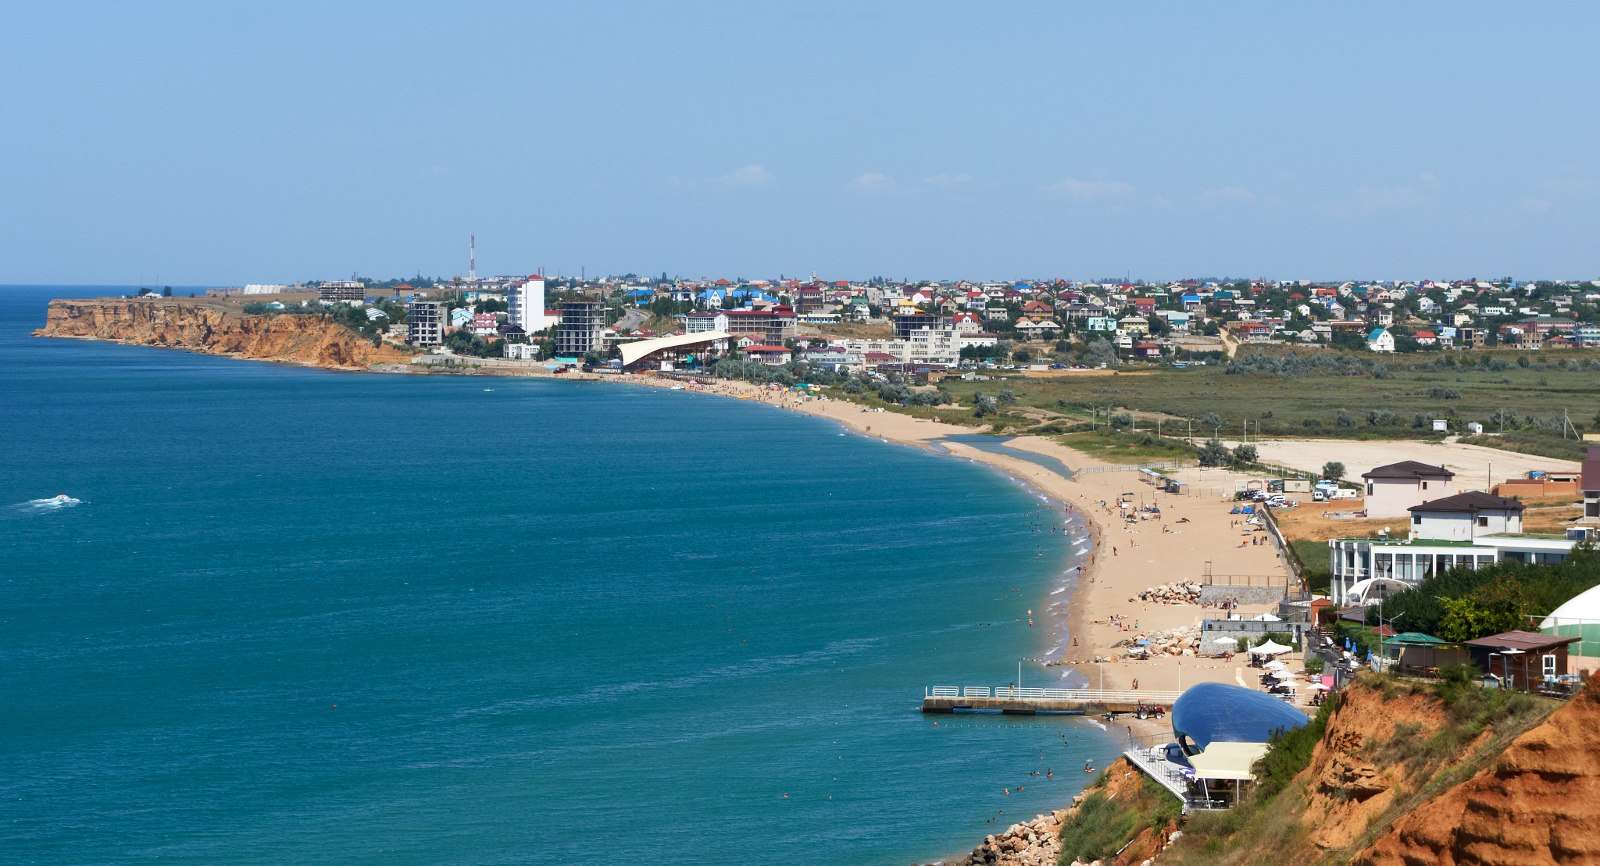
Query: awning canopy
x,y
1225,760
638,349
1270,648
1415,638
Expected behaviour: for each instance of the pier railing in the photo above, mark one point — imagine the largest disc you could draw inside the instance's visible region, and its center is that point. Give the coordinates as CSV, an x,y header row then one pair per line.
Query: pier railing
x,y
1084,696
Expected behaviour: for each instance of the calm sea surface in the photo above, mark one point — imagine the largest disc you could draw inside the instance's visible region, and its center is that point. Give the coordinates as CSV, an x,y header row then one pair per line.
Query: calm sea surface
x,y
311,617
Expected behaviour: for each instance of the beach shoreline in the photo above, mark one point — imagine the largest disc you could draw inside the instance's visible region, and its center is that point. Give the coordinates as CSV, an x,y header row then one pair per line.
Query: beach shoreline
x,y
1102,594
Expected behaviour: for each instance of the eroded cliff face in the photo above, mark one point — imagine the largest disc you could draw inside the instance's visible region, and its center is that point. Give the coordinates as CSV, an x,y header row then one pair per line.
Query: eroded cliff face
x,y
1349,783
215,329
1538,803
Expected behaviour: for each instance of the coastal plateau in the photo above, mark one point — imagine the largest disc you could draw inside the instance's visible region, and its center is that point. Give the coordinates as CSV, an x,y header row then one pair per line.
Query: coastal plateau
x,y
217,330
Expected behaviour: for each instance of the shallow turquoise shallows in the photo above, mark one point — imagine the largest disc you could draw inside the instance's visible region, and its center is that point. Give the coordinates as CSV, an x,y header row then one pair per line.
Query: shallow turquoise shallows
x,y
313,617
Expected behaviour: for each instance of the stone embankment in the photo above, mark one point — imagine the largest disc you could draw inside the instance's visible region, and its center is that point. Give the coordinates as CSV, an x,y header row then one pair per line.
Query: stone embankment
x,y
217,329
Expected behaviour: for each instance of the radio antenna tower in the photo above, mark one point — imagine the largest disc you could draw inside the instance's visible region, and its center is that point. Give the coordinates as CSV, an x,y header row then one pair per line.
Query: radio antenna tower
x,y
472,258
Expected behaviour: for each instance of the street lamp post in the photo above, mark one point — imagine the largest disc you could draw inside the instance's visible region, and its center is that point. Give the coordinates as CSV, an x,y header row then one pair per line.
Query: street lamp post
x,y
1383,656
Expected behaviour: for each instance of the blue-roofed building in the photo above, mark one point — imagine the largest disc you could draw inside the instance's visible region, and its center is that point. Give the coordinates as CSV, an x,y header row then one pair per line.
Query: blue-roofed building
x,y
1380,340
1217,712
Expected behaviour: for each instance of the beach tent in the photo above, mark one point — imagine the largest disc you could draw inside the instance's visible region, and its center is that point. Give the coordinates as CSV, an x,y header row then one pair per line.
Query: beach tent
x,y
1270,648
1415,638
1266,617
1226,641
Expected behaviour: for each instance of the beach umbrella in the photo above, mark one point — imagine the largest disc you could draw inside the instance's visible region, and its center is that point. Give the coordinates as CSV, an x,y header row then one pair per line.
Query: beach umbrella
x,y
1275,665
1321,686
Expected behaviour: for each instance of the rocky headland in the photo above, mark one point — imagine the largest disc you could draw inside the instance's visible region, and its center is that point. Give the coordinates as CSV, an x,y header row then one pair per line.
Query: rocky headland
x,y
216,329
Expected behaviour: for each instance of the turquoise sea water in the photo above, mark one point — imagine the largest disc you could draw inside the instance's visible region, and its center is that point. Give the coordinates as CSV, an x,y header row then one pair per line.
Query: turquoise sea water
x,y
313,617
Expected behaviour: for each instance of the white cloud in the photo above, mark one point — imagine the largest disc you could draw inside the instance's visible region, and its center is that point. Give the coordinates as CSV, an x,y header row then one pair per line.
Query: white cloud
x,y
872,181
1092,191
752,175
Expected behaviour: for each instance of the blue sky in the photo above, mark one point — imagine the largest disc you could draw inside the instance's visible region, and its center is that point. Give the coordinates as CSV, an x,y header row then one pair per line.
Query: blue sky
x,y
197,144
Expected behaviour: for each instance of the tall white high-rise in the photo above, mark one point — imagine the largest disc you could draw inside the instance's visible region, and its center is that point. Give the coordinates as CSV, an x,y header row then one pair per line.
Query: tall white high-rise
x,y
525,305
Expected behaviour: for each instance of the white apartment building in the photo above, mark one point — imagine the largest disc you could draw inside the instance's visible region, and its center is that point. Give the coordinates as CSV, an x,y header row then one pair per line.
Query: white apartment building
x,y
525,305
1468,530
704,322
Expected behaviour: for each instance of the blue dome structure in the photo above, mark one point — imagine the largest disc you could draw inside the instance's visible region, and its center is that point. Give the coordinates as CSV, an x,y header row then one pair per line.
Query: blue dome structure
x,y
1216,712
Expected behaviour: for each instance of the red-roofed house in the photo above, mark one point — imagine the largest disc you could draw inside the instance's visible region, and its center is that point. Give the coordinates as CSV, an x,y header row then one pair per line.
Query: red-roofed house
x,y
776,356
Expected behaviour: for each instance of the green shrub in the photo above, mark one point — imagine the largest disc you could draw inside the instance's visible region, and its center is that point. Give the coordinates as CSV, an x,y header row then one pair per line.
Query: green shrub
x,y
1290,751
1097,830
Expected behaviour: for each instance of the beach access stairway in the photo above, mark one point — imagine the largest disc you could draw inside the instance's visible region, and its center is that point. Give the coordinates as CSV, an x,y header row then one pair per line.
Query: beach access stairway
x,y
1032,701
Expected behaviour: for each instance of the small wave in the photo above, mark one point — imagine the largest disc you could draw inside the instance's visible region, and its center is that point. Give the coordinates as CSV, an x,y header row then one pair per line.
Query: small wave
x,y
1058,591
45,506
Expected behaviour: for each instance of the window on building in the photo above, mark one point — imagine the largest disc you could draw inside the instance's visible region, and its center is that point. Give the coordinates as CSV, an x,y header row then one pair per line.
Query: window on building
x,y
1482,520
1550,664
1424,485
1416,520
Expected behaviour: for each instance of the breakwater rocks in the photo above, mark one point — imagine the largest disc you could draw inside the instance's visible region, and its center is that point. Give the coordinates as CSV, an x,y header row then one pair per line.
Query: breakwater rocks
x,y
216,328
1036,842
1172,593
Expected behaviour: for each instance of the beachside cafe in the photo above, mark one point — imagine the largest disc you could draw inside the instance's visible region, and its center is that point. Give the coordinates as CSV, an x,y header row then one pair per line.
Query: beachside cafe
x,y
1219,732
1525,660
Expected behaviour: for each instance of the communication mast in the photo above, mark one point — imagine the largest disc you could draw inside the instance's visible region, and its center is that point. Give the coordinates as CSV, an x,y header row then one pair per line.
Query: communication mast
x,y
472,257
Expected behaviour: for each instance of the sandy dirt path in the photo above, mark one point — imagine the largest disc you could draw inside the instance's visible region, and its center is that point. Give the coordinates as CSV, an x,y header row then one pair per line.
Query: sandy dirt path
x,y
1471,463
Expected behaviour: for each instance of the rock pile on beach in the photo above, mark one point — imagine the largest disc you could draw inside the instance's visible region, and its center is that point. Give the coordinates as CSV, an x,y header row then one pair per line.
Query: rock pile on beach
x,y
1172,593
1036,842
1180,641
